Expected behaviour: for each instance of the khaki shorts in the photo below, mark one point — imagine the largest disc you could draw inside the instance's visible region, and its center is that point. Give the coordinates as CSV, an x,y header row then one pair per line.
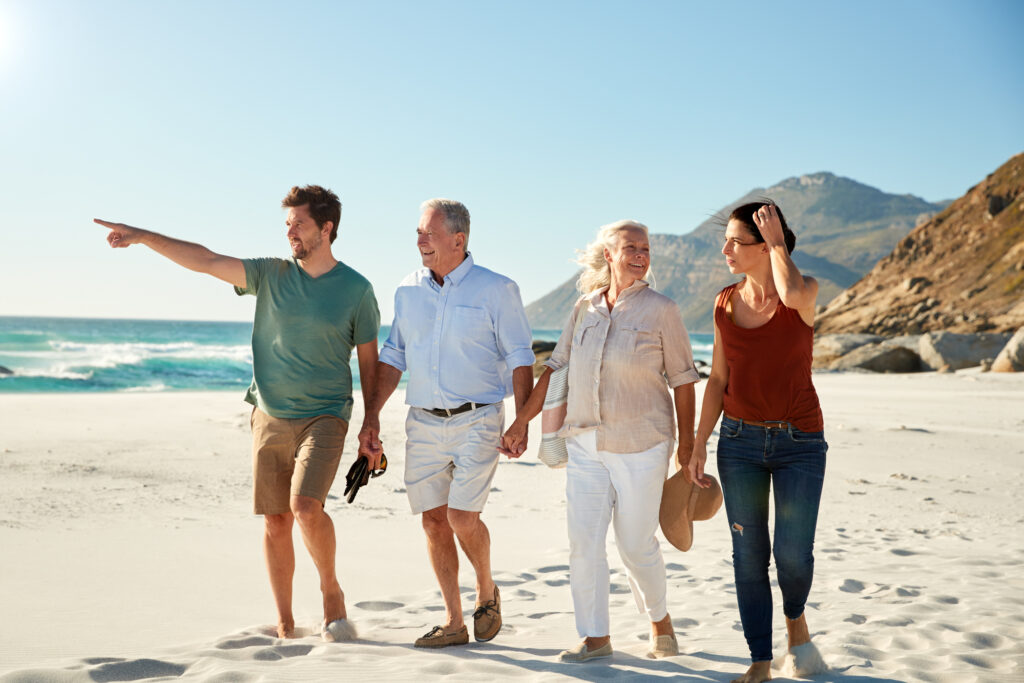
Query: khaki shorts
x,y
293,457
451,460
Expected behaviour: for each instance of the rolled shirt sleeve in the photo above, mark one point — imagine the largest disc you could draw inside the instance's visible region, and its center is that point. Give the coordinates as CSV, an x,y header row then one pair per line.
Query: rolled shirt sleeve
x,y
676,350
512,328
392,351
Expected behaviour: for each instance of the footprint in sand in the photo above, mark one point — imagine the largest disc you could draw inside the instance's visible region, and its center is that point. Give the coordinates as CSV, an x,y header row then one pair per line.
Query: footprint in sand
x,y
553,568
947,599
135,670
907,592
984,641
379,605
520,594
856,619
852,586
902,552
281,652
241,643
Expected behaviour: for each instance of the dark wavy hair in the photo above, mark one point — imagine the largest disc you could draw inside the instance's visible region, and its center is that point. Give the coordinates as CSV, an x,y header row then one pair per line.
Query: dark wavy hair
x,y
324,205
745,214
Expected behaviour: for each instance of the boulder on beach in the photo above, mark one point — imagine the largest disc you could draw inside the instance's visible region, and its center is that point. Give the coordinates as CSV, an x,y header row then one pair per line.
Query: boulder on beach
x,y
831,347
541,352
1011,358
879,357
941,350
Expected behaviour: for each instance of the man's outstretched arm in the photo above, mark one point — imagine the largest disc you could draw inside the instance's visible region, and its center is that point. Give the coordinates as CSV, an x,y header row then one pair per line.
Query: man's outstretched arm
x,y
188,254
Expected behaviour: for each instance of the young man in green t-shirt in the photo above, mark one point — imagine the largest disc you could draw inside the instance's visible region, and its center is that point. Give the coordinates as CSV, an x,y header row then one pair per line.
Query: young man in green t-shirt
x,y
311,310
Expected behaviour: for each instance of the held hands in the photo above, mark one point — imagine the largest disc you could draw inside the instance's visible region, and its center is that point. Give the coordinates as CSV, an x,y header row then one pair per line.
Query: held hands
x,y
513,443
767,221
370,446
695,468
120,235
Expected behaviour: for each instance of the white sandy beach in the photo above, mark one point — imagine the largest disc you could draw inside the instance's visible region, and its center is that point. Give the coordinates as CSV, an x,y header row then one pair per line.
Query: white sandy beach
x,y
128,551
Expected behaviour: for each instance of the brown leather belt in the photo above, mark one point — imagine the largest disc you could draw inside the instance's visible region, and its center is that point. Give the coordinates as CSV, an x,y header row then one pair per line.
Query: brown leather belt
x,y
774,424
448,412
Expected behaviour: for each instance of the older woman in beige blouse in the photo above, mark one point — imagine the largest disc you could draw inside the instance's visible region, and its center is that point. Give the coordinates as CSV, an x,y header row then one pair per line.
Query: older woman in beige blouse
x,y
631,377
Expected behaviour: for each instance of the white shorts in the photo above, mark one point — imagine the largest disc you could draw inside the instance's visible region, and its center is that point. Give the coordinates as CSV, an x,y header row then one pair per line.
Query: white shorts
x,y
451,460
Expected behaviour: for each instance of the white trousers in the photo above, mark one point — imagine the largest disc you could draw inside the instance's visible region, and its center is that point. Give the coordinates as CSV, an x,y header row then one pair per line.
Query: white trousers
x,y
623,489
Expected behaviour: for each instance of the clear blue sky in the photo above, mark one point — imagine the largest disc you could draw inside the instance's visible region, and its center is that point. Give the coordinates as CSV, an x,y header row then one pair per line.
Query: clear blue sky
x,y
547,119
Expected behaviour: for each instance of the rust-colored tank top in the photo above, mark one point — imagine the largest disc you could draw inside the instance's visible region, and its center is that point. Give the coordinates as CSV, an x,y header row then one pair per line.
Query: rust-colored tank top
x,y
769,368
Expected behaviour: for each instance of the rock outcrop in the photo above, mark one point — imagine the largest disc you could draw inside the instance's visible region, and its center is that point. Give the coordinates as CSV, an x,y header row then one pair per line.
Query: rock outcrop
x,y
879,357
960,271
952,351
1011,357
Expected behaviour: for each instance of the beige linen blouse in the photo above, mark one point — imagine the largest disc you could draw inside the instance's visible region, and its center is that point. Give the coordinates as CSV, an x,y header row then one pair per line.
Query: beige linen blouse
x,y
621,364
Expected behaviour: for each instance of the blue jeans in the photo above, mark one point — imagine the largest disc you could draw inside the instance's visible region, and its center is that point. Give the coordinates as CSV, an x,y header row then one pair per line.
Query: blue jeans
x,y
751,460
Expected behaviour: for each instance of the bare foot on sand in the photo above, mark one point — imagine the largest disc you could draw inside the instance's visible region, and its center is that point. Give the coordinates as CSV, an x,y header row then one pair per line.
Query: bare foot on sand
x,y
286,629
334,603
663,627
804,658
758,671
798,633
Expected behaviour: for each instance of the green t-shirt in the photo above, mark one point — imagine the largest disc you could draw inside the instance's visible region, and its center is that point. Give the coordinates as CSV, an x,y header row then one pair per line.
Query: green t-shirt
x,y
303,335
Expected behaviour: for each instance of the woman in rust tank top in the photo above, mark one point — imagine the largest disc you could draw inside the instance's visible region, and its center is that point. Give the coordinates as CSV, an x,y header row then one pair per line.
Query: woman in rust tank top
x,y
771,434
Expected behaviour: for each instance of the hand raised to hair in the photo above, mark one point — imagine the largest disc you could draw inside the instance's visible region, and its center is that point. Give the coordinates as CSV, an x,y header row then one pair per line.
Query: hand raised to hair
x,y
767,221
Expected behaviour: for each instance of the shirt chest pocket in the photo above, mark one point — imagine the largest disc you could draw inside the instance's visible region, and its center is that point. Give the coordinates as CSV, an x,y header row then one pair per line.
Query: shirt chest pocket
x,y
470,321
642,341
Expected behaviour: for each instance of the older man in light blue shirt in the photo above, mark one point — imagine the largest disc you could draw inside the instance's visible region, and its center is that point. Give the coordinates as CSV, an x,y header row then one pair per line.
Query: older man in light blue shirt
x,y
461,332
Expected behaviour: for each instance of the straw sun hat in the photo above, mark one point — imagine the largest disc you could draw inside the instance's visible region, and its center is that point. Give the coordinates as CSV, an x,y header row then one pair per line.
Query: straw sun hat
x,y
682,503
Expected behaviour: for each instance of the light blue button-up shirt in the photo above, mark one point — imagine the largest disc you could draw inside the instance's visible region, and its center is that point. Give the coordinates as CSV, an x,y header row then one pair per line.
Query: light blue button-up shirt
x,y
460,341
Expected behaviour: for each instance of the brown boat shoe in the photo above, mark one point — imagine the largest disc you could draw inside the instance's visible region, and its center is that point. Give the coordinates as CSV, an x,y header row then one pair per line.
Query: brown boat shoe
x,y
438,637
487,619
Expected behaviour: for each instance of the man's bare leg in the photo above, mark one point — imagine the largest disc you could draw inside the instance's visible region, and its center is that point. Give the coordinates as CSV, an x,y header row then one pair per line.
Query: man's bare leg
x,y
758,671
318,535
280,555
444,557
475,540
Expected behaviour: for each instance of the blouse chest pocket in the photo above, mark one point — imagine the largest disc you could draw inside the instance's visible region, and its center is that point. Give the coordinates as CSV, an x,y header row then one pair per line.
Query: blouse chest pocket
x,y
641,340
585,334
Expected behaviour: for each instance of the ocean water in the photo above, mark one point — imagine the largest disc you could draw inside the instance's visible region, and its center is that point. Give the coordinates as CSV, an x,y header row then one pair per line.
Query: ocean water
x,y
89,354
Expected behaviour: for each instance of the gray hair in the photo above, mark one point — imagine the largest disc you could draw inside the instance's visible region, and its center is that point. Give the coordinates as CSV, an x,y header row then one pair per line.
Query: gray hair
x,y
596,273
456,215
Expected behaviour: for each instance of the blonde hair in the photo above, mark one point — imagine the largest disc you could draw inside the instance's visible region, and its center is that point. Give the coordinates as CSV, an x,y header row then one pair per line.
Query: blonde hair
x,y
596,273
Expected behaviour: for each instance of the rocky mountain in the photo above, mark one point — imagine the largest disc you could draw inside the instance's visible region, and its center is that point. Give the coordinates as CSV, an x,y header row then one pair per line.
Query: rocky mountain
x,y
843,228
960,271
